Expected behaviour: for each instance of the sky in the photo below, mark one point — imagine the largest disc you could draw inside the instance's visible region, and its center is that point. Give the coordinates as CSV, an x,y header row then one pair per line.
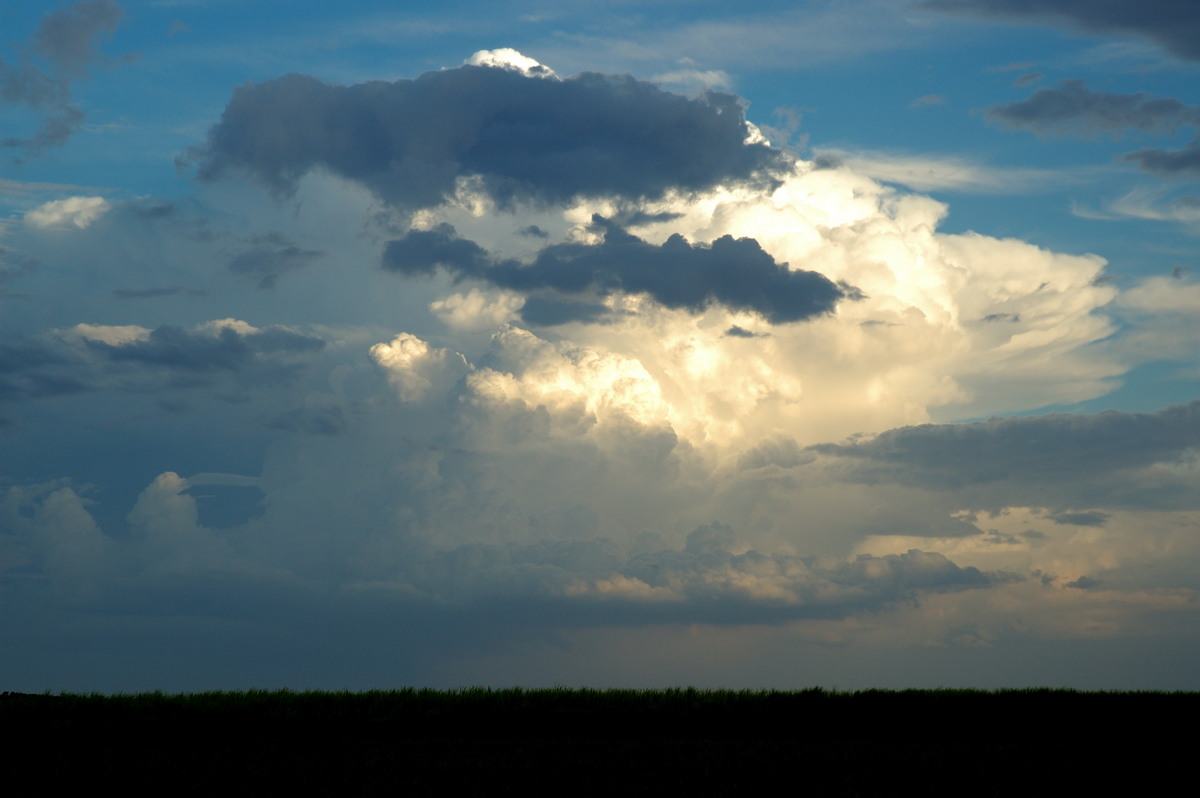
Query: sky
x,y
367,345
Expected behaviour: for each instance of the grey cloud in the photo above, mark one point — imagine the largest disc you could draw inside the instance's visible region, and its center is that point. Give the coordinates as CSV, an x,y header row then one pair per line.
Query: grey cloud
x,y
736,273
537,138
272,257
1174,24
1027,79
12,266
1184,162
330,420
1073,107
30,369
65,42
570,582
1093,518
228,350
234,363
423,251
780,452
549,312
150,293
1053,460
714,585
67,38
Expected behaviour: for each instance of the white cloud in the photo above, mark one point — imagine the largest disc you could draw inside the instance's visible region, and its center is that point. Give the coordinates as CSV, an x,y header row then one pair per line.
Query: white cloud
x,y
113,335
78,212
950,173
508,58
694,79
1143,203
477,310
413,366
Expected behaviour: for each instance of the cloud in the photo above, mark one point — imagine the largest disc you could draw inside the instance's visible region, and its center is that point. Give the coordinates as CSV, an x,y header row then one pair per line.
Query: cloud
x,y
226,354
65,43
926,100
271,257
1169,163
694,78
585,414
737,274
1073,108
508,58
1065,460
946,173
75,211
539,138
1174,24
31,369
413,366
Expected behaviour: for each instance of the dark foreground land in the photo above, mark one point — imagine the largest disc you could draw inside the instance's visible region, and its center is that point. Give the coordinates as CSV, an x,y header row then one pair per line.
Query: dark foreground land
x,y
580,742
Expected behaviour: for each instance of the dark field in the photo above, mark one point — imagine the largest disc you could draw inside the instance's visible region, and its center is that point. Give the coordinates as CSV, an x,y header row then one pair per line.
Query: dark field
x,y
485,742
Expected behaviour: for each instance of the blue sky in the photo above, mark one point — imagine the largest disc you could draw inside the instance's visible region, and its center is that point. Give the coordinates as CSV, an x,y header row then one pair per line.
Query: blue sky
x,y
366,345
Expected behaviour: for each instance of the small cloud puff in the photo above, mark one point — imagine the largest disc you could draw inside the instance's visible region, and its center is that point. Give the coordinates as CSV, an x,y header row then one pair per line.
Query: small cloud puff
x,y
77,212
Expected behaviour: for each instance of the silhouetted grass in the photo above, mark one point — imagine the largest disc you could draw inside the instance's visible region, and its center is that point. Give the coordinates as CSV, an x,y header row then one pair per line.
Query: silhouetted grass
x,y
582,741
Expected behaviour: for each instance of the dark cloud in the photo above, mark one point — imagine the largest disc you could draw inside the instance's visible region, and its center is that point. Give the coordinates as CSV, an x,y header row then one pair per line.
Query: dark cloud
x,y
741,332
1174,24
177,348
30,370
548,312
1055,459
64,44
1072,107
702,582
1182,163
1093,518
537,138
424,251
227,350
735,273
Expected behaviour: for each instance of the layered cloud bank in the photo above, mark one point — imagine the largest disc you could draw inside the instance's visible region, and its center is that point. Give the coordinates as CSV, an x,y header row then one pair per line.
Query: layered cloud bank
x,y
518,367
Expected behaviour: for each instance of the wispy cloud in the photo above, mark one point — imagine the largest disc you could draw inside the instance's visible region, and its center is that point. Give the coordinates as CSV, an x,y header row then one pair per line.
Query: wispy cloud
x,y
952,173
